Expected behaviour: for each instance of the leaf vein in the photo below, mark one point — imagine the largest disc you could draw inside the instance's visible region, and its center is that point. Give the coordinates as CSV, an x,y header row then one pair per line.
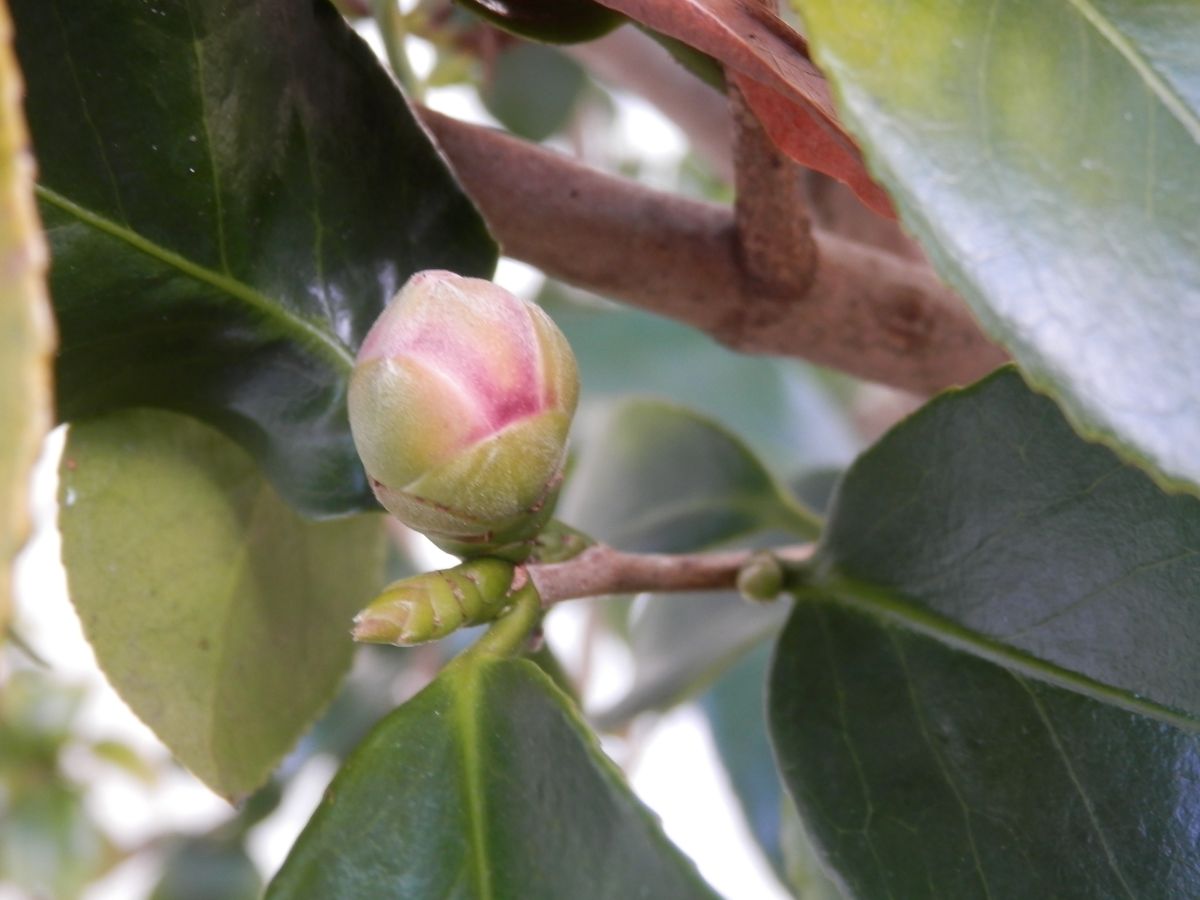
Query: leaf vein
x,y
1073,775
941,763
208,141
1158,85
300,327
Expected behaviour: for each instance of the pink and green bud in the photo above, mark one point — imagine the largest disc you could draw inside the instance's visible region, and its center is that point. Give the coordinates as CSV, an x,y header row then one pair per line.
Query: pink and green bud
x,y
460,404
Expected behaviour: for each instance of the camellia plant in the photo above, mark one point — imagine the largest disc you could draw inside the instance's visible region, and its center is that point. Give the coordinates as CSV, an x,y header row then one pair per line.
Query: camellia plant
x,y
256,270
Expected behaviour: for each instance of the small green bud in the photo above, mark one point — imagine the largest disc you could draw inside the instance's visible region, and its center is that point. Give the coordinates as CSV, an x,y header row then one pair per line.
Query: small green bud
x,y
460,404
760,580
430,606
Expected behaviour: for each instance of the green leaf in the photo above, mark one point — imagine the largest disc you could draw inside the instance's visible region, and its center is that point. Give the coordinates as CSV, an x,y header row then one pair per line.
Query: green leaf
x,y
1045,152
485,785
220,616
658,478
232,190
682,642
49,844
26,332
926,772
553,21
662,479
806,872
532,90
793,420
985,521
735,710
207,869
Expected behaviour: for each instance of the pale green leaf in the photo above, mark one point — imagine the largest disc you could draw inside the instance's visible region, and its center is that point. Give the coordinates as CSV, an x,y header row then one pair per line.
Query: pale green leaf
x,y
219,614
1045,153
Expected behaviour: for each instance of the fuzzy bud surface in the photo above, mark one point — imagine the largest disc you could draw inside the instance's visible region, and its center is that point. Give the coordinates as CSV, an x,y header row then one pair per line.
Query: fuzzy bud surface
x,y
460,404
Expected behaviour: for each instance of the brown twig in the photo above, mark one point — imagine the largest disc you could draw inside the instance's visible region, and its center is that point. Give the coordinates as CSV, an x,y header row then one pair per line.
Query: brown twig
x,y
775,236
602,570
865,312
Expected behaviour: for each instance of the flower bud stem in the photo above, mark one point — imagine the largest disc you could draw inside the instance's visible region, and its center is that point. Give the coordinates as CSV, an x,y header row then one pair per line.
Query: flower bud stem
x,y
603,570
508,634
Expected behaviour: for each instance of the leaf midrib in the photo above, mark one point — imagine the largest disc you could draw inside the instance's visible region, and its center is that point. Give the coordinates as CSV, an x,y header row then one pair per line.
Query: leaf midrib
x,y
303,330
466,713
897,610
1161,88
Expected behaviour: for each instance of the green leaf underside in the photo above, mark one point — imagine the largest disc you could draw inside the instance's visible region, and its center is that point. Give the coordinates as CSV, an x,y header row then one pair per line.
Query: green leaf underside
x,y
26,333
1045,154
925,772
682,642
232,191
218,614
659,478
663,479
794,422
985,520
485,785
525,71
735,711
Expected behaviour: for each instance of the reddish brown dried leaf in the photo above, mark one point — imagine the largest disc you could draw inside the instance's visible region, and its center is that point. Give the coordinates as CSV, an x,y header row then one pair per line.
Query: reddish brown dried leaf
x,y
812,141
769,62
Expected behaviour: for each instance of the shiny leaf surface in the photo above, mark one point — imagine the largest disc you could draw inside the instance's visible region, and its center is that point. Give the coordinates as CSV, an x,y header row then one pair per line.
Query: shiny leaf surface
x,y
232,191
485,785
985,520
26,332
220,615
1045,154
929,773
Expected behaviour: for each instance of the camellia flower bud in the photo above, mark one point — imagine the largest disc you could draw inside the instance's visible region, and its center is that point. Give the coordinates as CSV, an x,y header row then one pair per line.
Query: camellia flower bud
x,y
460,406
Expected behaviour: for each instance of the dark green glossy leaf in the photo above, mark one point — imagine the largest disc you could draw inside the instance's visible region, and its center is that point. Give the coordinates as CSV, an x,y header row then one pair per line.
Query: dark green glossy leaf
x,y
232,190
216,611
532,90
658,478
1045,153
926,772
985,520
26,331
485,785
553,21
